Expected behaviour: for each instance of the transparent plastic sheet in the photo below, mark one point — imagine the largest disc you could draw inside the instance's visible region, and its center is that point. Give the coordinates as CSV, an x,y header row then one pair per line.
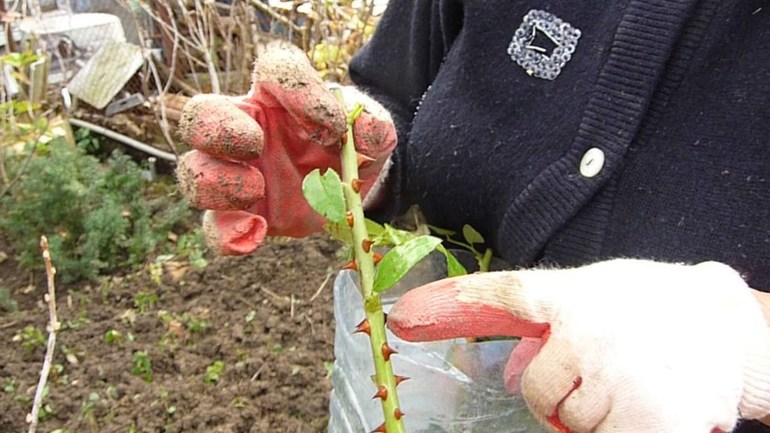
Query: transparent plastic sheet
x,y
455,386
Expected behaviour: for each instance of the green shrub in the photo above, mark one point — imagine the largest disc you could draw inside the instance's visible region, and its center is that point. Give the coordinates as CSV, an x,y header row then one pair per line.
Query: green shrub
x,y
97,216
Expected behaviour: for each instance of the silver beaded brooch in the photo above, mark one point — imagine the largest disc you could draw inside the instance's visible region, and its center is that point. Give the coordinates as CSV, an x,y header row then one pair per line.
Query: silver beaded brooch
x,y
543,44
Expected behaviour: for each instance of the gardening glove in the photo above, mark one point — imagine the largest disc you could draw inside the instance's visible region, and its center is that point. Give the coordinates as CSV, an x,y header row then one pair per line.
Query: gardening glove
x,y
252,152
623,346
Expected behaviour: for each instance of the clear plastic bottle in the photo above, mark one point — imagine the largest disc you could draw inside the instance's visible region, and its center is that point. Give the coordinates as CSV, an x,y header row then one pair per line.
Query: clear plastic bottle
x,y
455,386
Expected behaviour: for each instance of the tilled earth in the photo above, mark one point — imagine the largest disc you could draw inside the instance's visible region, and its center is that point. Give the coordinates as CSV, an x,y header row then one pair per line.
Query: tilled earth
x,y
242,345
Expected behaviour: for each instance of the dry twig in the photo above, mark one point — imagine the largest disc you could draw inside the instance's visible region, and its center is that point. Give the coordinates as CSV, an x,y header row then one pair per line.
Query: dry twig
x,y
53,328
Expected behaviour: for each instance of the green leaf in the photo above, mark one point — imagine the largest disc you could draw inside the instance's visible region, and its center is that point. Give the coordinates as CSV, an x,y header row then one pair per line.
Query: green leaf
x,y
400,259
453,267
471,235
340,232
442,232
395,236
373,228
324,194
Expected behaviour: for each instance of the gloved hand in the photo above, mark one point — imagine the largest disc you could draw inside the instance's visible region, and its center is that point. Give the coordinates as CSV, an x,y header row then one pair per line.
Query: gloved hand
x,y
623,346
253,151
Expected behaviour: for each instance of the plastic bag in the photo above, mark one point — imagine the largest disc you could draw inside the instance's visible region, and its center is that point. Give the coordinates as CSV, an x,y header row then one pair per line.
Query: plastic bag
x,y
454,387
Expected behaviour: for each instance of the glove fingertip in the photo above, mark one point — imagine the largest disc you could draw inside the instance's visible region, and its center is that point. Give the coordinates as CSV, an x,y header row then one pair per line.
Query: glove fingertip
x,y
211,183
234,232
442,310
215,125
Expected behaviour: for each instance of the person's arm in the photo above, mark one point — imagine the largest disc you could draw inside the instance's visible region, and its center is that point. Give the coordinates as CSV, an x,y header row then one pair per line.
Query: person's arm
x,y
623,345
764,301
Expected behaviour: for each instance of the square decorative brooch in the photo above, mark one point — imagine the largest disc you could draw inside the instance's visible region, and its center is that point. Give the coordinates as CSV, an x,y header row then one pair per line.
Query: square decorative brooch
x,y
543,44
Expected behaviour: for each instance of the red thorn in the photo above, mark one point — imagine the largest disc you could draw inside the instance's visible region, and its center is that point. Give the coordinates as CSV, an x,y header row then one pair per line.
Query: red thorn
x,y
382,393
349,218
387,351
363,160
344,138
351,265
356,185
366,244
397,414
363,327
400,379
380,429
377,257
384,318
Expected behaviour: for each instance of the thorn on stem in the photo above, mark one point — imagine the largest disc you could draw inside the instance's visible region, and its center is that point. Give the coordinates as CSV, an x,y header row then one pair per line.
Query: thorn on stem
x,y
377,258
366,244
363,327
380,429
363,160
397,414
400,379
349,218
382,393
351,265
344,138
387,351
356,185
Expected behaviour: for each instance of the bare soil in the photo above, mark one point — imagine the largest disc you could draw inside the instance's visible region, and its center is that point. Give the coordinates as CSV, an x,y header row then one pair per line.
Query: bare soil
x,y
268,317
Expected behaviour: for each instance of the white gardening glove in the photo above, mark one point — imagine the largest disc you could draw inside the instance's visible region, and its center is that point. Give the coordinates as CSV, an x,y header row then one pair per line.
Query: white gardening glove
x,y
623,346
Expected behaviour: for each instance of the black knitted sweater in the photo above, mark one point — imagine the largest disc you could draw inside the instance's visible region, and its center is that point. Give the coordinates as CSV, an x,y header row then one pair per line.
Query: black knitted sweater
x,y
671,98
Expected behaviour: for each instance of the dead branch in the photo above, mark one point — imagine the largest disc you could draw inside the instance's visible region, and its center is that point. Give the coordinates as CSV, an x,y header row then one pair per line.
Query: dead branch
x,y
53,328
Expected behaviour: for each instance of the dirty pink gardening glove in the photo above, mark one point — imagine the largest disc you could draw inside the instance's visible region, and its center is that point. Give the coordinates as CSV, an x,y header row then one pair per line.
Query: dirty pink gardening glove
x,y
252,152
624,346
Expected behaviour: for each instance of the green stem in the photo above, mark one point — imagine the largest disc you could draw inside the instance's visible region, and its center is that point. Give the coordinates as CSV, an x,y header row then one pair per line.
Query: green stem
x,y
485,261
365,262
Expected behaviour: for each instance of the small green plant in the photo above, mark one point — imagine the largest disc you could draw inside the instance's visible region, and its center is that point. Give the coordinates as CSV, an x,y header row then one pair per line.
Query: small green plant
x,y
87,141
165,400
9,386
87,408
113,336
31,338
193,324
7,303
214,372
192,246
142,366
144,300
98,215
472,238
